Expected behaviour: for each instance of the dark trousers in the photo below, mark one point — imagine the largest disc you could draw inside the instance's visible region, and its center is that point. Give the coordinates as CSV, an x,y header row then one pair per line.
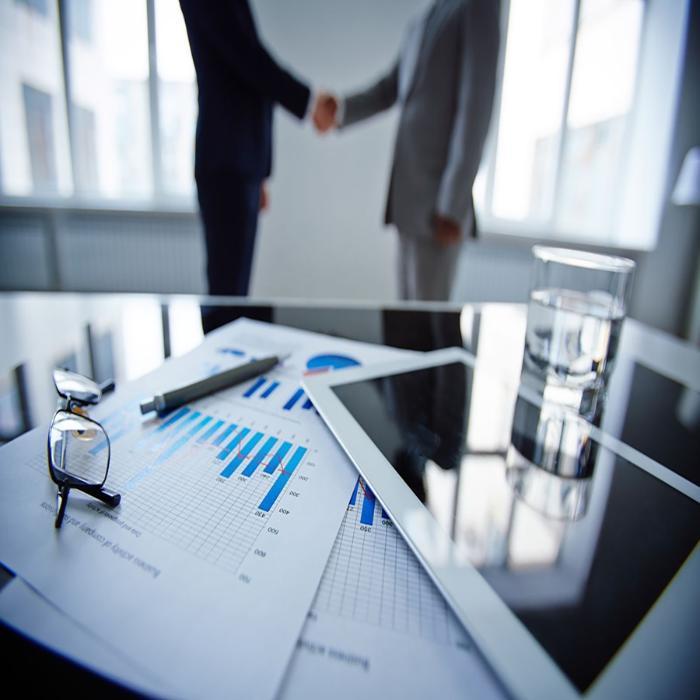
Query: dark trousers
x,y
229,206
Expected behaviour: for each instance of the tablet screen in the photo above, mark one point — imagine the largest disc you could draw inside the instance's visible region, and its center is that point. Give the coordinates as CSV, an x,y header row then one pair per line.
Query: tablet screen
x,y
578,545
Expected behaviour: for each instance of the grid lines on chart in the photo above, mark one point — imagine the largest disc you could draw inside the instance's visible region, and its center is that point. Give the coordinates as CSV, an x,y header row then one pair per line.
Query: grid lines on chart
x,y
186,503
373,577
187,484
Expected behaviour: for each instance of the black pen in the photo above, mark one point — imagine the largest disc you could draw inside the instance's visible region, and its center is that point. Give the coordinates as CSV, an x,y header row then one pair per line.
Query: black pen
x,y
162,403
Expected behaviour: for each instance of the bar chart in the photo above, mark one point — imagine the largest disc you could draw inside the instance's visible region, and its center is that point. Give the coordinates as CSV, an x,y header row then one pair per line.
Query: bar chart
x,y
277,394
227,510
288,395
235,352
198,468
377,606
369,502
242,450
372,577
117,424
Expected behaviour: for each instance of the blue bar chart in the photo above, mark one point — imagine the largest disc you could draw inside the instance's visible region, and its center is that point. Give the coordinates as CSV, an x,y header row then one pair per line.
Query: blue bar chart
x,y
292,401
173,426
242,454
353,498
254,387
369,504
261,388
281,481
270,390
224,435
273,394
214,428
102,445
293,397
172,419
231,445
236,352
118,424
277,459
367,516
237,452
259,457
182,441
191,437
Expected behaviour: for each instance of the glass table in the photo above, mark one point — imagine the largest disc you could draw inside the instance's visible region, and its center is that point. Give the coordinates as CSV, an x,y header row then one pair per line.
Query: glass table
x,y
652,410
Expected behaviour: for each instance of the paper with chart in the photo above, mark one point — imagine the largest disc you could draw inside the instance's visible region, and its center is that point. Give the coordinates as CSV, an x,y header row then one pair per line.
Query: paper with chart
x,y
230,506
375,609
379,625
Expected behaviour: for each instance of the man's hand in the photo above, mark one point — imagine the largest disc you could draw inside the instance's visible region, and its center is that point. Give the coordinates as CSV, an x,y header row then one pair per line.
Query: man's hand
x,y
447,232
264,197
325,112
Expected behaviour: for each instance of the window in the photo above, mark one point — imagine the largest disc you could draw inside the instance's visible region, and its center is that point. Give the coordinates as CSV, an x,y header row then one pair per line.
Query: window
x,y
42,155
80,20
107,47
573,117
598,118
177,89
538,45
85,150
41,6
35,158
76,105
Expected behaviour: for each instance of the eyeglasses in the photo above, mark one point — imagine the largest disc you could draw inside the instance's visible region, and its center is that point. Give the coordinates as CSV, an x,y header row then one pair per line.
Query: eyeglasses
x,y
78,447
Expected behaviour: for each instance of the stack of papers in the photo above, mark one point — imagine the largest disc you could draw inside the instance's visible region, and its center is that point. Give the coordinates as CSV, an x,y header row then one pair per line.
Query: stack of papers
x,y
245,559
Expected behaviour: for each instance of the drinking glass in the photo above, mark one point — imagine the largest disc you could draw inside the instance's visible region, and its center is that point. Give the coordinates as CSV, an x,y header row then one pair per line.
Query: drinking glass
x,y
578,301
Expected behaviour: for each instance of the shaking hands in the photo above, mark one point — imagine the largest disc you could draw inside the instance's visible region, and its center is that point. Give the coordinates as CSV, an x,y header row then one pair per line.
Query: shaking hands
x,y
325,112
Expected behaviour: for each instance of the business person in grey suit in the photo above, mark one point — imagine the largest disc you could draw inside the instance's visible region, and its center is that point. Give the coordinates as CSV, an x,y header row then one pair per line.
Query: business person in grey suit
x,y
444,80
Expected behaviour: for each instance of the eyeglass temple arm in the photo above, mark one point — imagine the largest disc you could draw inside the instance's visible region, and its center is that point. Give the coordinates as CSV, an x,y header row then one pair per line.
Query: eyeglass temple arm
x,y
107,386
61,502
107,497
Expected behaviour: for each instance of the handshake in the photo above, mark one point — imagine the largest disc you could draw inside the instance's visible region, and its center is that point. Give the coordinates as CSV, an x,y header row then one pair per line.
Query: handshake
x,y
325,112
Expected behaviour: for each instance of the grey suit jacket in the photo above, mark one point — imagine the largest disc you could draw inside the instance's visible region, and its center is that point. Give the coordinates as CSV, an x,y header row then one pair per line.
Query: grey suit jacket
x,y
446,101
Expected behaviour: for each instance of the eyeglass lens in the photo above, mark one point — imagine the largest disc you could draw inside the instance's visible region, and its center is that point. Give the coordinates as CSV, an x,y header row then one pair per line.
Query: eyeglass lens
x,y
78,448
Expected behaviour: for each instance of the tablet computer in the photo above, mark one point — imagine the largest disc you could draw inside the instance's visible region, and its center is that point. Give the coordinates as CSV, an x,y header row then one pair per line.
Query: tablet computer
x,y
575,570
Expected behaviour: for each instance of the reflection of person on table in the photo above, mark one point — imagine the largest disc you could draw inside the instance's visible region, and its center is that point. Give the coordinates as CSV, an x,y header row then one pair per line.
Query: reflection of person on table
x,y
437,403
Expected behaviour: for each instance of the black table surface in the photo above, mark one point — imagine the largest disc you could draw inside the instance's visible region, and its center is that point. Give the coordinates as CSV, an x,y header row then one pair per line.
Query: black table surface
x,y
123,336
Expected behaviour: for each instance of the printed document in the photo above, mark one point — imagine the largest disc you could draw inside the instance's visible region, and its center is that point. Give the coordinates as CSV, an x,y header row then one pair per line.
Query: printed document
x,y
375,608
230,506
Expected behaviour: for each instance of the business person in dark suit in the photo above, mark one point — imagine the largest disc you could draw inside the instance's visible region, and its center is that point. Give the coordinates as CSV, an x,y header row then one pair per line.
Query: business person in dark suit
x,y
444,80
239,84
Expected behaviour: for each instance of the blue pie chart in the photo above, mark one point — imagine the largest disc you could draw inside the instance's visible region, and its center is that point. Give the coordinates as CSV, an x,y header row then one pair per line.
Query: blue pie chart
x,y
320,363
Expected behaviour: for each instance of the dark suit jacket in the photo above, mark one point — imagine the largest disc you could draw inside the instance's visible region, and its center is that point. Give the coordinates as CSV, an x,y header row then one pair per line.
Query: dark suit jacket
x,y
239,83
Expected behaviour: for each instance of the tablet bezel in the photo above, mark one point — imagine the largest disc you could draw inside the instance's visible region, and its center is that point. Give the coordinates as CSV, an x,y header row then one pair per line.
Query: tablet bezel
x,y
523,666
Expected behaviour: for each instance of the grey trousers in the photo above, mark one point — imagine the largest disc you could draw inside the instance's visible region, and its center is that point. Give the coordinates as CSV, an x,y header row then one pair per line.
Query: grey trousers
x,y
426,268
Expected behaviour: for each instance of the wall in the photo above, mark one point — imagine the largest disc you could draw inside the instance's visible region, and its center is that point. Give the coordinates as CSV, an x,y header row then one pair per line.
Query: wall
x,y
665,278
100,250
327,194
